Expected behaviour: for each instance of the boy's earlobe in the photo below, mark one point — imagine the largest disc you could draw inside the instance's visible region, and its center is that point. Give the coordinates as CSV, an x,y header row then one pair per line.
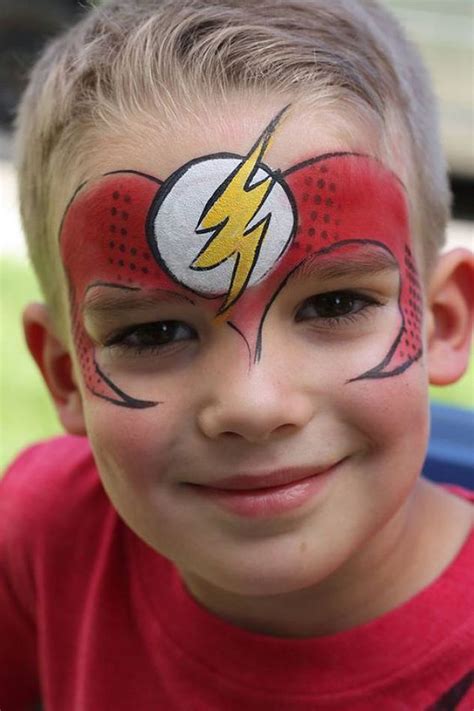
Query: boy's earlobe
x,y
54,361
450,311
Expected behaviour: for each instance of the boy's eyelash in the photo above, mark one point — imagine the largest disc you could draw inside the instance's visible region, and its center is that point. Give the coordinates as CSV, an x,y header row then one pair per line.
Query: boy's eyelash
x,y
141,339
351,305
123,340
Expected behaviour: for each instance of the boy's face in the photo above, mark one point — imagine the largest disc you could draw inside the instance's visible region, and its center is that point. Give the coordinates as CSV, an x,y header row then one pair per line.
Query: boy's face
x,y
247,327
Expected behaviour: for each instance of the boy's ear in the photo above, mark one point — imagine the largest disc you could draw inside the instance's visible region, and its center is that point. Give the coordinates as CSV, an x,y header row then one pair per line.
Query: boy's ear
x,y
450,310
54,361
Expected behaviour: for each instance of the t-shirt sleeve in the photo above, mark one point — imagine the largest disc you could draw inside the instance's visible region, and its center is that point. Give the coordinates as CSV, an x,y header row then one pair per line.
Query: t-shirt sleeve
x,y
41,495
19,685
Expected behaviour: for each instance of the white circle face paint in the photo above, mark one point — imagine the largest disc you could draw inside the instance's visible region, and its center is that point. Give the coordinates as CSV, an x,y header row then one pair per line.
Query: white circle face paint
x,y
174,227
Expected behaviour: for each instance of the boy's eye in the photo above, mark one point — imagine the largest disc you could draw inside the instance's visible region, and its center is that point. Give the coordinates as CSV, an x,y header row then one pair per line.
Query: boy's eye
x,y
149,336
334,306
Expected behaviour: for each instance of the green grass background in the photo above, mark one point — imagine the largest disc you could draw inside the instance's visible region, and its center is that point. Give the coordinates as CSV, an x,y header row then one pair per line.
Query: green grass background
x,y
26,411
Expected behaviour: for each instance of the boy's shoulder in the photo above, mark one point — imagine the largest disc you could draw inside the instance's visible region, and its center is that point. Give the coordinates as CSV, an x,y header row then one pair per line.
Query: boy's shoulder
x,y
53,459
50,469
48,490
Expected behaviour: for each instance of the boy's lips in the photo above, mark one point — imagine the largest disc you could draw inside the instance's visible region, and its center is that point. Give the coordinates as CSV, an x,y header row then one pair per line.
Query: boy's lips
x,y
266,495
270,480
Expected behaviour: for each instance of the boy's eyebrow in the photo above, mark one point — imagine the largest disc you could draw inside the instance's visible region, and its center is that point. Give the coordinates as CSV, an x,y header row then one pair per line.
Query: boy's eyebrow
x,y
108,297
360,262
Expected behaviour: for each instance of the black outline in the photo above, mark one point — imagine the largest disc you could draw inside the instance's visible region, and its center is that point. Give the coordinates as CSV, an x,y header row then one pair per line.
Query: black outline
x,y
160,196
340,154
170,182
277,177
127,400
102,175
219,229
323,156
237,330
153,178
226,305
375,371
69,203
265,136
248,187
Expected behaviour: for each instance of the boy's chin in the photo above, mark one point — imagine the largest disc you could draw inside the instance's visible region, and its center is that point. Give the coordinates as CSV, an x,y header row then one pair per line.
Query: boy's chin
x,y
262,579
274,602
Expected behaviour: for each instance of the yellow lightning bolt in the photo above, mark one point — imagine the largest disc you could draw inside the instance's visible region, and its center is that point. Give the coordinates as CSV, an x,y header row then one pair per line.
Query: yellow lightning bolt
x,y
229,213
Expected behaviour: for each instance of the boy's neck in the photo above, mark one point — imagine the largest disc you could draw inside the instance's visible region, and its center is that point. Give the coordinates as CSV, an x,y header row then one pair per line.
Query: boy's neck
x,y
394,565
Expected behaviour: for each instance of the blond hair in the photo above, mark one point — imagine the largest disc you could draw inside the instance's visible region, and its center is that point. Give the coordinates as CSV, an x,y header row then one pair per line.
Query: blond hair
x,y
129,60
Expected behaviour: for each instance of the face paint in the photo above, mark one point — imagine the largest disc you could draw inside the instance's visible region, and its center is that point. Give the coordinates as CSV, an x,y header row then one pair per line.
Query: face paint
x,y
346,203
103,243
220,223
228,233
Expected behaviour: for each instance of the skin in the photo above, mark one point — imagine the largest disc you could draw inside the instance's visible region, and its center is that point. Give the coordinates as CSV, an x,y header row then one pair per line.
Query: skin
x,y
339,209
365,543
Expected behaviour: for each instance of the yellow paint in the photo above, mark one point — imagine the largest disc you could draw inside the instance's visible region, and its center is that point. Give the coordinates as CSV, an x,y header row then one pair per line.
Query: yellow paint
x,y
234,209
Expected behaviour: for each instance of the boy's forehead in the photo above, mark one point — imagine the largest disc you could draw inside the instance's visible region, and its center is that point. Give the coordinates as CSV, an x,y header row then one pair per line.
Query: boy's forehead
x,y
223,220
161,148
230,231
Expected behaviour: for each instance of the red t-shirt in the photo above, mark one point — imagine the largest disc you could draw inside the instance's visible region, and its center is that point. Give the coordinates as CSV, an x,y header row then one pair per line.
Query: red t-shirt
x,y
92,619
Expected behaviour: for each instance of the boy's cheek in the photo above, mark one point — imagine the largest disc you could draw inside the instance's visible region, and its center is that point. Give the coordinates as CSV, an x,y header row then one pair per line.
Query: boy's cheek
x,y
393,413
131,446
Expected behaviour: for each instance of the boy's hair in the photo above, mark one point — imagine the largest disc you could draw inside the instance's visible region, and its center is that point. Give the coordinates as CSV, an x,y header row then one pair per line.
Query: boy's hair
x,y
145,62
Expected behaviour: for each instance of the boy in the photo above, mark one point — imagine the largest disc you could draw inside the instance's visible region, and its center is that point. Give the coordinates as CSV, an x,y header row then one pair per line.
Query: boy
x,y
235,209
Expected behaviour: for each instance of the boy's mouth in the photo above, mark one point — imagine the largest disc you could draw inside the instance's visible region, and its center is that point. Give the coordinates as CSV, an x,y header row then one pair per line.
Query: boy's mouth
x,y
267,494
270,480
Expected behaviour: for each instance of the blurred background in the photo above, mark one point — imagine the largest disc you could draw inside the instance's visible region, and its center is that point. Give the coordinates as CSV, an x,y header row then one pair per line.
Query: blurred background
x,y
444,31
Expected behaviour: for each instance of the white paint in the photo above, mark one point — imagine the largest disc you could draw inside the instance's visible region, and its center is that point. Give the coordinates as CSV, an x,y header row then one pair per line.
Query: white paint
x,y
178,217
460,233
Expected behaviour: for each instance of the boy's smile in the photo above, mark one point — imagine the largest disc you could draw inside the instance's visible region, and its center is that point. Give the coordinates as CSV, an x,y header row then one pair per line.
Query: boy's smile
x,y
255,429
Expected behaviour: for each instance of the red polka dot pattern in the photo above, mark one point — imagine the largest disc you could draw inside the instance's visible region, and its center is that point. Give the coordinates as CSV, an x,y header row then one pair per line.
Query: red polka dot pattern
x,y
341,200
345,198
103,240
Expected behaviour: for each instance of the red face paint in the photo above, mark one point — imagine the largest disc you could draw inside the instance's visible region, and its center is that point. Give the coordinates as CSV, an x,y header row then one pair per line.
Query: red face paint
x,y
348,200
341,202
103,240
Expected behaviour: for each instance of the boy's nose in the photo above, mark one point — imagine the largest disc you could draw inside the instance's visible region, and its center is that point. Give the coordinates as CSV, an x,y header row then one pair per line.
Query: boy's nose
x,y
254,405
